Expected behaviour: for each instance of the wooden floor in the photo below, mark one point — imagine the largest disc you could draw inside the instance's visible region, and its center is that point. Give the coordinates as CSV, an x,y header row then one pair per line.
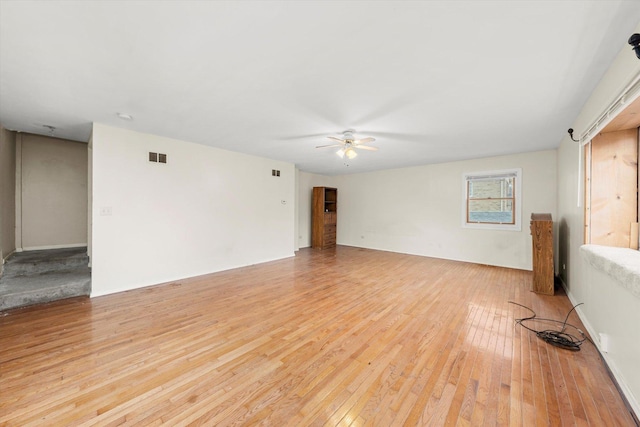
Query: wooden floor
x,y
335,337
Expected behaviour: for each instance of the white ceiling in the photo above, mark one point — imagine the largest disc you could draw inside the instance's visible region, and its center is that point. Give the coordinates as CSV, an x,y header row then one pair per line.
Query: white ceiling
x,y
432,81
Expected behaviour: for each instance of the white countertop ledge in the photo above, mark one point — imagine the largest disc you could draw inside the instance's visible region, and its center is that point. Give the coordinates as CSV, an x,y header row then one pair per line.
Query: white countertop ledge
x,y
622,264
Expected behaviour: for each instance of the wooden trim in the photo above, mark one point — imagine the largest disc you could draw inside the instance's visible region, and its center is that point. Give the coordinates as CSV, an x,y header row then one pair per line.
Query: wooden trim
x,y
633,242
587,193
18,225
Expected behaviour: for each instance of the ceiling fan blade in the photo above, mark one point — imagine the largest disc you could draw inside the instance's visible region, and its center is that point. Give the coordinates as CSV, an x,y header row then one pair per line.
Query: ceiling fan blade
x,y
410,137
296,137
363,140
336,138
366,147
328,146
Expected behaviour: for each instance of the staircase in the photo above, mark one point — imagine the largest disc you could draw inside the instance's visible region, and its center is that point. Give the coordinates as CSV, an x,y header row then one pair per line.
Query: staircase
x,y
36,277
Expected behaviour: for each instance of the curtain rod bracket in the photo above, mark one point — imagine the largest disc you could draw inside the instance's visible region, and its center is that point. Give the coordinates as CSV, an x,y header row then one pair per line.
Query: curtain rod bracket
x,y
570,130
634,41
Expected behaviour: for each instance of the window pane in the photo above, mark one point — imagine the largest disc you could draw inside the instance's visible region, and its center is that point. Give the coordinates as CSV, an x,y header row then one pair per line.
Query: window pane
x,y
491,188
493,211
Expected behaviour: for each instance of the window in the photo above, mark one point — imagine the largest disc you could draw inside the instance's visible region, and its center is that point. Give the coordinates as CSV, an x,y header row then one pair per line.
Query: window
x,y
492,200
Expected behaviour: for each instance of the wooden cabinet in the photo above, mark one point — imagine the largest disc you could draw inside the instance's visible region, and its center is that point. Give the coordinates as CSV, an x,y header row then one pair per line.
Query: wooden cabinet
x,y
542,237
325,217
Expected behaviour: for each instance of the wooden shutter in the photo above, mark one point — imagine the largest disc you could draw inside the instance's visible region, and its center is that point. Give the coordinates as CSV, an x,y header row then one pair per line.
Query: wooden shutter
x,y
614,188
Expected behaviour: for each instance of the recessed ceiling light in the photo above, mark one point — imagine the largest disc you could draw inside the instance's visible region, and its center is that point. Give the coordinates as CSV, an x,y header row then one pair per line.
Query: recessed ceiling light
x,y
124,116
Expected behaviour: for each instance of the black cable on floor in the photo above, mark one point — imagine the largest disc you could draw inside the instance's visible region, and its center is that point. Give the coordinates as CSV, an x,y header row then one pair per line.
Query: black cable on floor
x,y
559,338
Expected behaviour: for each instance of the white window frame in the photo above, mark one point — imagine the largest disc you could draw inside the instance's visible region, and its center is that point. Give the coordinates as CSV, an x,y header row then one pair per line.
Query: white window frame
x,y
517,173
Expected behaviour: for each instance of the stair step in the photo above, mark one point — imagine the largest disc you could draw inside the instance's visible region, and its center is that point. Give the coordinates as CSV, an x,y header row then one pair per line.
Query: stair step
x,y
20,291
36,262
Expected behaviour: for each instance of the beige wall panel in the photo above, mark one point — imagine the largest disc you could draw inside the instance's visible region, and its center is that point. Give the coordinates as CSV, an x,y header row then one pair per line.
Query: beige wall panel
x,y
7,192
54,192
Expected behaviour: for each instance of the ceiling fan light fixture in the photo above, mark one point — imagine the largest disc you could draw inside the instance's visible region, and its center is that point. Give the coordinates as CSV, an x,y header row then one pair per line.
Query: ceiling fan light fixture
x,y
348,144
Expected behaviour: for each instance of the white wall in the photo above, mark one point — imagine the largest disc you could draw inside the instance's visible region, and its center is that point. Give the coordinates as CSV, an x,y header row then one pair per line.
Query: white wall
x,y
306,182
418,210
53,192
90,196
206,210
610,308
575,274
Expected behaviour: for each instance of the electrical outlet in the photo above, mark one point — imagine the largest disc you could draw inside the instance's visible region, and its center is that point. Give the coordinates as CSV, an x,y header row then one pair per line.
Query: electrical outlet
x,y
604,342
105,211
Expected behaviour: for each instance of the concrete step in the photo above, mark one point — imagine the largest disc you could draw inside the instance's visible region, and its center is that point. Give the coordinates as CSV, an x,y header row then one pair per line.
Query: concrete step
x,y
20,291
36,262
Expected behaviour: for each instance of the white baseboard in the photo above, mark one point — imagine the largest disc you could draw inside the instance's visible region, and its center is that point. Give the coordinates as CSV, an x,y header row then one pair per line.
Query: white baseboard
x,y
8,255
626,391
41,248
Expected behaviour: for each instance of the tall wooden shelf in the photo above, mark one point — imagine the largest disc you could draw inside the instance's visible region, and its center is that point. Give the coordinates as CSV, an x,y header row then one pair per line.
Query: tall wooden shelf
x,y
542,237
325,217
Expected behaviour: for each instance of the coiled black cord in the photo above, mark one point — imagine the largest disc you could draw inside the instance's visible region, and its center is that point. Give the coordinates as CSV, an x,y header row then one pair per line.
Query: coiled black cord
x,y
559,338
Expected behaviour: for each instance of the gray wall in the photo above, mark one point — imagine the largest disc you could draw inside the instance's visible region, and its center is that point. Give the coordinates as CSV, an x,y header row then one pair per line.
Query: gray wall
x,y
7,192
53,192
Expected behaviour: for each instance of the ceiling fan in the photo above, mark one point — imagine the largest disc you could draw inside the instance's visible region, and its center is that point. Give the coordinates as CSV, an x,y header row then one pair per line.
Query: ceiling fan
x,y
348,144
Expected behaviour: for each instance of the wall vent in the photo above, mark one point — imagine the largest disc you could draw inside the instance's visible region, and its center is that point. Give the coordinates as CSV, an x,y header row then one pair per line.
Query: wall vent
x,y
162,158
153,157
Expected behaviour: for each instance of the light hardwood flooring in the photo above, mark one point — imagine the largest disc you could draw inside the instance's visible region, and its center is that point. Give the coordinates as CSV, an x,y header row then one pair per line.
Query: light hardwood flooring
x,y
335,337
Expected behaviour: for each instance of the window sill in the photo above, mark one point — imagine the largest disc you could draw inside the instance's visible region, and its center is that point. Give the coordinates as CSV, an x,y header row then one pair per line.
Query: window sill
x,y
486,226
621,264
